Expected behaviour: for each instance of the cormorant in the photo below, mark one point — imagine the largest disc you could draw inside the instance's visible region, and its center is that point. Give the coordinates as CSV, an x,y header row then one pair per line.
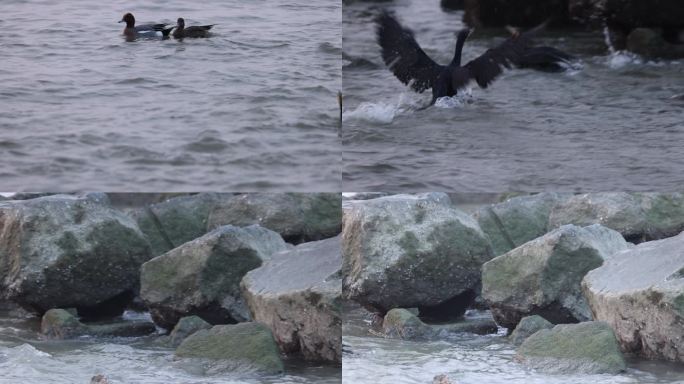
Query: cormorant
x,y
194,31
412,66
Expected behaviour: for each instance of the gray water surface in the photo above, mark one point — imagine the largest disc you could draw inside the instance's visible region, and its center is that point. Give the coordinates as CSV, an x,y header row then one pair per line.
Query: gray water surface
x,y
252,108
614,122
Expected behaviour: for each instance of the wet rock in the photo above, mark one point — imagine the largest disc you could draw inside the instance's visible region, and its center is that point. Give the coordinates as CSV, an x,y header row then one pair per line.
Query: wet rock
x,y
528,326
401,323
584,348
185,327
69,251
297,217
519,13
442,379
518,220
640,293
245,344
176,221
637,216
63,324
651,43
99,379
543,276
628,13
410,251
297,294
202,277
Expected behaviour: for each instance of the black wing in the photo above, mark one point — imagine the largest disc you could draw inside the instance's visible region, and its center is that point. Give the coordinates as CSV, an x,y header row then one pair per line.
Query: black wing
x,y
402,54
486,68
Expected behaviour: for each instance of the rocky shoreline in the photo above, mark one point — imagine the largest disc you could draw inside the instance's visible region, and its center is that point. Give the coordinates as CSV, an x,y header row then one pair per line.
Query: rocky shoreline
x,y
580,283
249,280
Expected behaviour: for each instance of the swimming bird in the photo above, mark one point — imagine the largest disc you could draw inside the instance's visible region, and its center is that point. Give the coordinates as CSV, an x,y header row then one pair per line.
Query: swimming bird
x,y
193,31
413,67
132,31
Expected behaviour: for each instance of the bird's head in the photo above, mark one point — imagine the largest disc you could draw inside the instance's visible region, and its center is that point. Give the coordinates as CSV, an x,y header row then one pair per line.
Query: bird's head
x,y
128,19
180,22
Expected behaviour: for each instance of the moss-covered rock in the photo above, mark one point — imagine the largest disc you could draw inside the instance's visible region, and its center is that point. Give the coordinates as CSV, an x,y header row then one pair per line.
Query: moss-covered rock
x,y
297,294
407,251
63,324
69,251
589,348
171,223
544,276
249,344
185,327
528,326
297,217
400,323
202,277
640,293
517,220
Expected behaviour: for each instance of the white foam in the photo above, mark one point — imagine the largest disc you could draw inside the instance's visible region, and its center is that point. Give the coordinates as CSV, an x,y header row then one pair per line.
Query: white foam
x,y
464,97
384,112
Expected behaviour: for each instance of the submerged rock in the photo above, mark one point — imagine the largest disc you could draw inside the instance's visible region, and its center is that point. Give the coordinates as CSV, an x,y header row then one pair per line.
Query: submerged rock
x,y
202,277
297,217
400,323
410,251
528,326
297,294
69,251
185,327
544,276
442,379
99,379
640,293
249,345
517,220
63,324
584,348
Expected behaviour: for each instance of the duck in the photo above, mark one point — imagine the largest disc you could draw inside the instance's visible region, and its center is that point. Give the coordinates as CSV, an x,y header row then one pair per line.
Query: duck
x,y
193,31
132,31
412,66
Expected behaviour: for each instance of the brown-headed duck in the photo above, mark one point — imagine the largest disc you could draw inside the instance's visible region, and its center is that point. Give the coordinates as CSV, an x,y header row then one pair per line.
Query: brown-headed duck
x,y
133,31
193,31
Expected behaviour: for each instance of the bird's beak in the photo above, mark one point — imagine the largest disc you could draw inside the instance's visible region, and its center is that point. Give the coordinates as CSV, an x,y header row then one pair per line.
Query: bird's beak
x,y
121,21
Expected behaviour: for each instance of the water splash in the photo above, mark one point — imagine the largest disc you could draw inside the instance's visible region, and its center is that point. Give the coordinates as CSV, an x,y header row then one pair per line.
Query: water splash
x,y
464,97
383,112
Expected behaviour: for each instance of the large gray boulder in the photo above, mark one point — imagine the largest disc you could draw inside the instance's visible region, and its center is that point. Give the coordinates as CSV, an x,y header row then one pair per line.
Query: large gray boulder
x,y
185,327
173,222
517,220
543,277
246,346
520,13
584,348
637,216
202,277
297,294
640,293
69,251
297,217
61,324
410,251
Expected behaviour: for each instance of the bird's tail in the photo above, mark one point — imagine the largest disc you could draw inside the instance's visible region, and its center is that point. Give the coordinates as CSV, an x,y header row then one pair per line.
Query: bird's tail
x,y
167,31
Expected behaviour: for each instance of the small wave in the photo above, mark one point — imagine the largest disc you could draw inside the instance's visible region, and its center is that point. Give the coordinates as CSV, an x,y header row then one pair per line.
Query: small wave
x,y
620,59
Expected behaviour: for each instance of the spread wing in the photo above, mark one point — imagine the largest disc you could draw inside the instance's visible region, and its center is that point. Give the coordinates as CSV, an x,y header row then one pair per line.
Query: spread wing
x,y
486,68
402,54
